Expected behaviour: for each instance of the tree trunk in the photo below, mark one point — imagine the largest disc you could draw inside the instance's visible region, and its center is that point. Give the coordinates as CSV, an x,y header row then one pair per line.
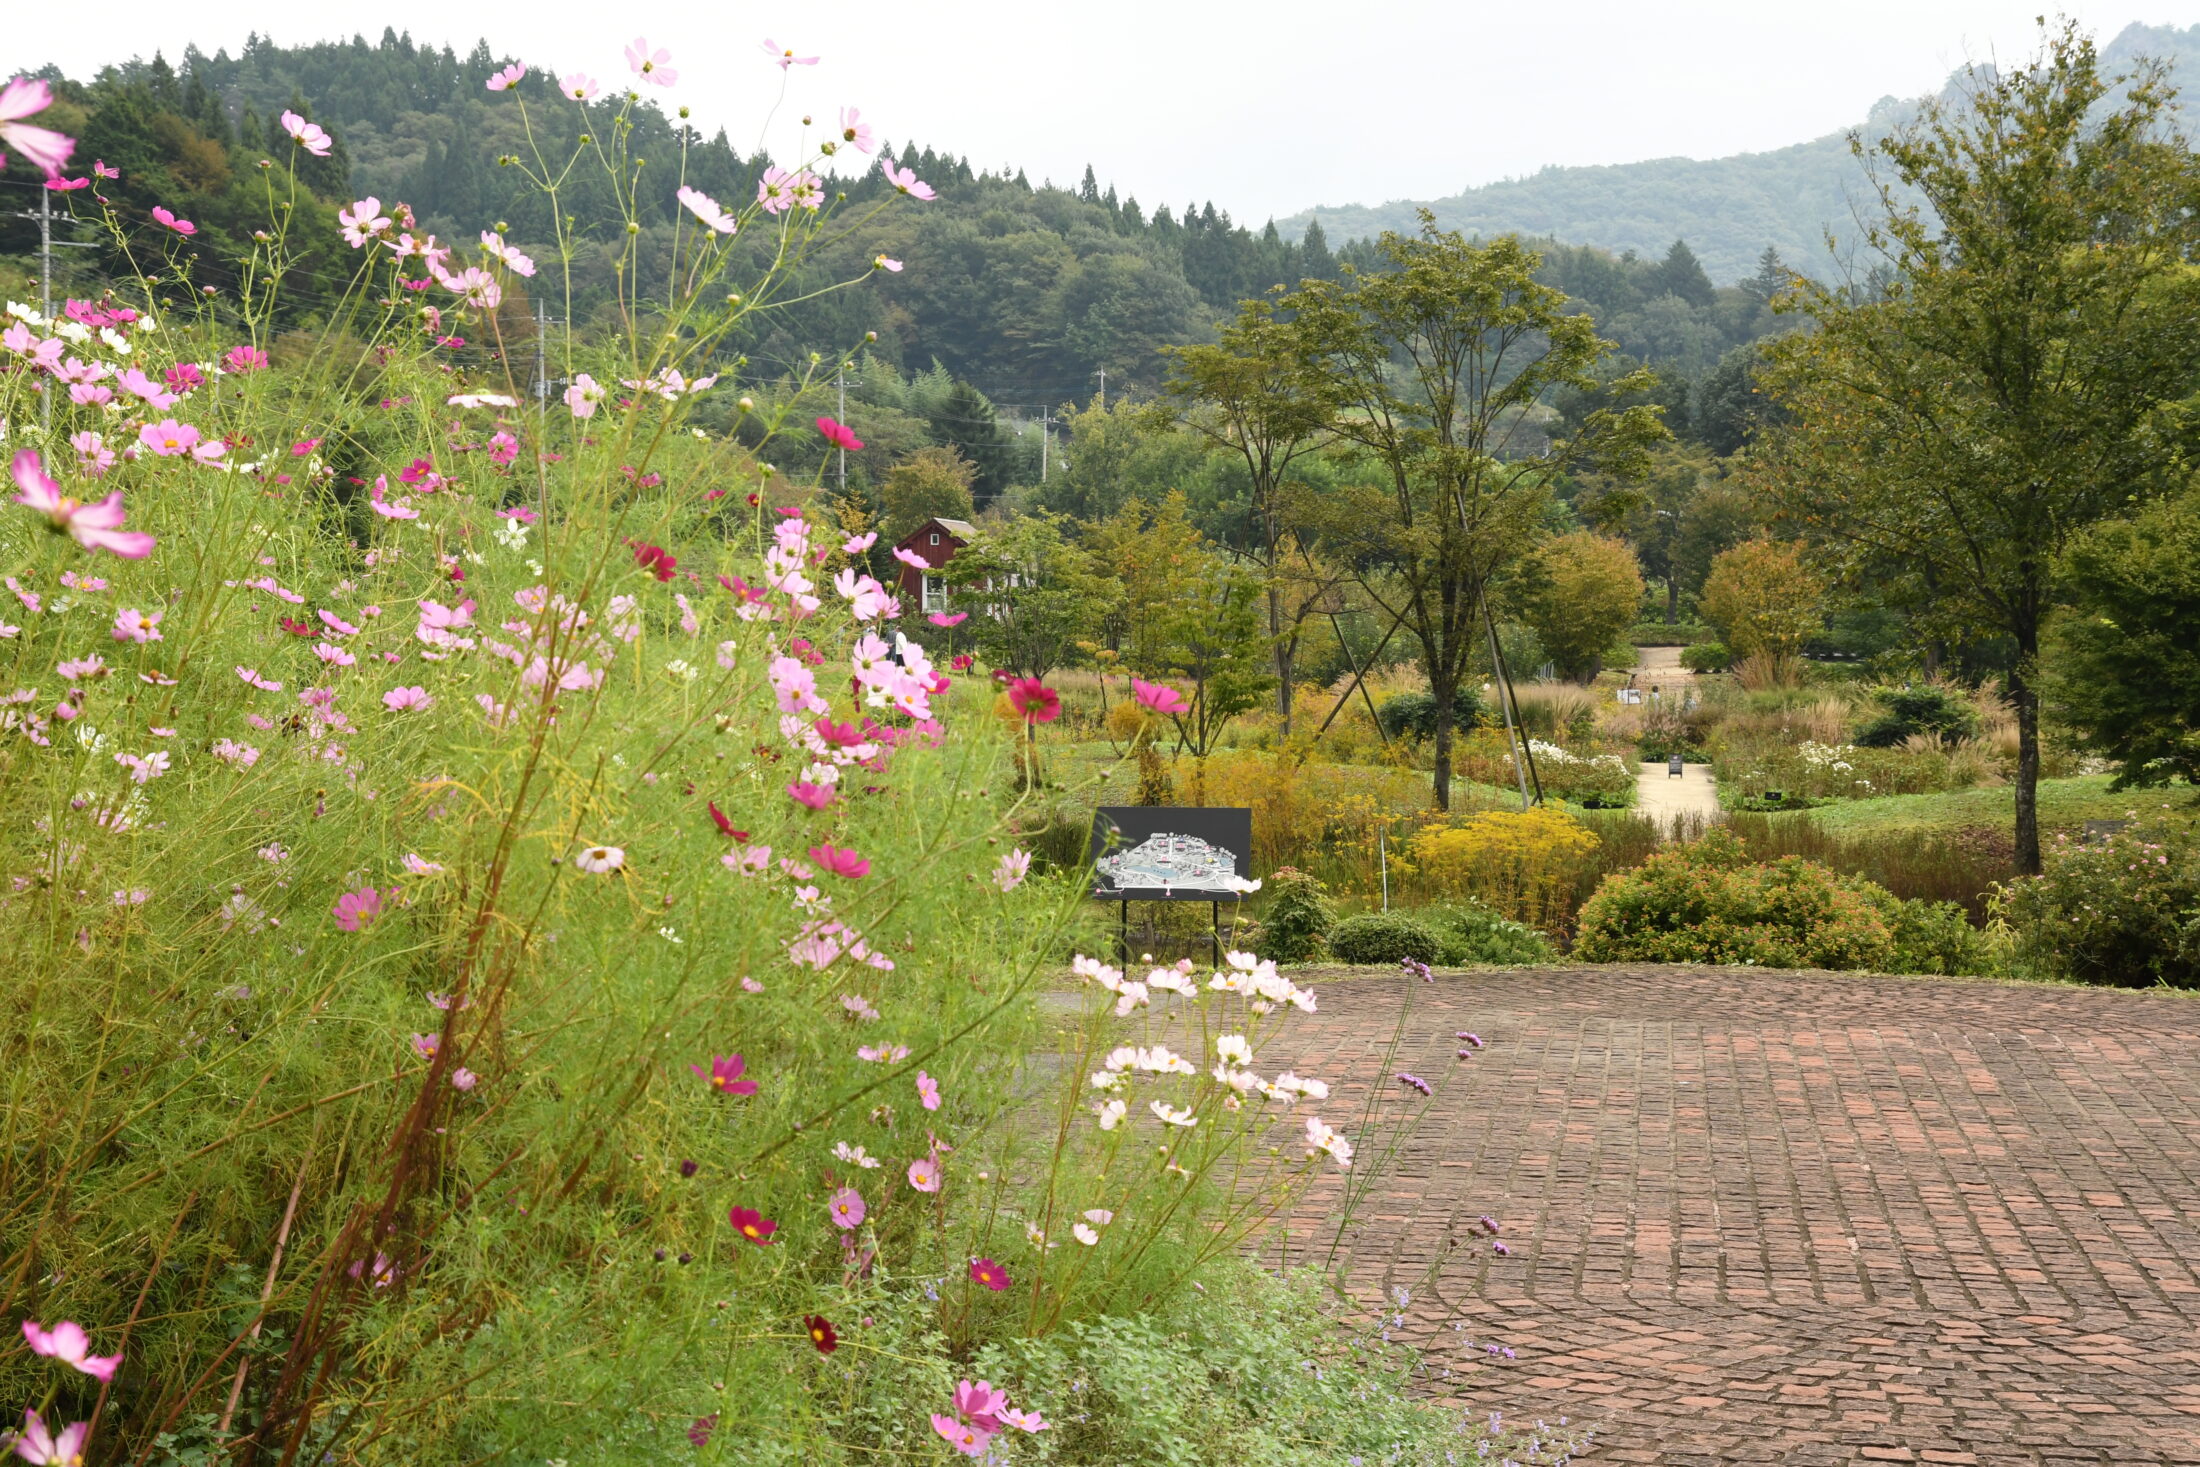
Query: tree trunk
x,y
1281,652
1672,601
1444,690
2027,700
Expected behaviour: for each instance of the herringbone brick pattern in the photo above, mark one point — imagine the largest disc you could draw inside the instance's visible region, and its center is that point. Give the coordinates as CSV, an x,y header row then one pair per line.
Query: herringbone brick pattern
x,y
1789,1218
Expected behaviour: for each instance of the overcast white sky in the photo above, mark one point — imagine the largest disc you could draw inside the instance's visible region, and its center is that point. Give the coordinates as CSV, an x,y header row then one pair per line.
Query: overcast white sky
x,y
1264,106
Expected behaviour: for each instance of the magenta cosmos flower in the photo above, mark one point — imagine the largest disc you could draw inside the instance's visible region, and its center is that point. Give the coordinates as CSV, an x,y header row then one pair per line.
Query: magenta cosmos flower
x,y
1037,702
168,217
846,1207
840,861
46,149
752,1225
839,435
992,1275
725,1074
355,911
68,1343
93,526
928,1091
1159,697
816,796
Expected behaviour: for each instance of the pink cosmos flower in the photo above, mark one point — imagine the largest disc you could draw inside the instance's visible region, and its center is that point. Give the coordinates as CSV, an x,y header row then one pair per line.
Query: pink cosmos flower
x,y
963,1437
67,1343
67,185
355,911
155,396
816,796
984,1402
1158,697
854,131
474,287
924,1174
167,217
946,619
785,56
707,209
400,700
36,1444
46,149
93,526
242,359
362,221
887,263
911,558
520,264
265,685
775,190
928,1091
169,438
506,79
725,1073
584,395
840,435
99,167
752,1225
426,1045
653,66
464,1079
905,180
93,456
579,86
307,135
1022,1420
132,625
503,448
846,1207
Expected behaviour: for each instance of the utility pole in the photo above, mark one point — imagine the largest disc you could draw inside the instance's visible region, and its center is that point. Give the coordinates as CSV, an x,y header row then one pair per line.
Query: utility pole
x,y
840,384
1103,389
1046,436
542,371
46,242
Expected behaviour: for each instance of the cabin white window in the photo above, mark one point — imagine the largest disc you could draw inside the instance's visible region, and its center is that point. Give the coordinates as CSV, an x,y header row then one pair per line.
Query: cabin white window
x,y
935,537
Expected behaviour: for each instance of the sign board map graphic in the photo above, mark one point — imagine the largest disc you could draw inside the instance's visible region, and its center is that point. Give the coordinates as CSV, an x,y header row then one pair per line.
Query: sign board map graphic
x,y
1143,853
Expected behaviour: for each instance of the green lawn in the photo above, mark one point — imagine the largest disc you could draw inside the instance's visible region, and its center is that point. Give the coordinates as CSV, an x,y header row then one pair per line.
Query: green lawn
x,y
2065,804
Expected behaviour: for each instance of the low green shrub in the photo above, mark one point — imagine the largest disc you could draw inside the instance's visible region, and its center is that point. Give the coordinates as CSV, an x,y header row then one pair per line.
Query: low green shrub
x,y
1937,937
1937,711
1298,917
1383,938
1257,1370
1707,657
1707,902
1670,634
1413,715
1471,933
2123,911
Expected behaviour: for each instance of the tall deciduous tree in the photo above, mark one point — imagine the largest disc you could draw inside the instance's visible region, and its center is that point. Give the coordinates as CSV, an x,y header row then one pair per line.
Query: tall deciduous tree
x,y
1438,364
2007,389
1255,393
1764,598
1582,591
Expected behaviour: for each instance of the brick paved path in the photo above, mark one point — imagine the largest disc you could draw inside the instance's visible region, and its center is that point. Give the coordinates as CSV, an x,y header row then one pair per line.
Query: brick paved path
x,y
1782,1218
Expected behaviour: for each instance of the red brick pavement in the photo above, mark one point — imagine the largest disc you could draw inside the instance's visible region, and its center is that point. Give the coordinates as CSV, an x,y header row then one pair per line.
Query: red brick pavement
x,y
1790,1218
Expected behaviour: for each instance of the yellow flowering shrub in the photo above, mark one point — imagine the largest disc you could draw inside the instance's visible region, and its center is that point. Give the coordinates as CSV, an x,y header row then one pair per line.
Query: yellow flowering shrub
x,y
1523,864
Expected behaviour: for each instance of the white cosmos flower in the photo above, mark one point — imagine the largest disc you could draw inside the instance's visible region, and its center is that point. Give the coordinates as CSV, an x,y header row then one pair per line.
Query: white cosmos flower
x,y
600,860
1234,1049
1084,1234
1319,1138
1111,1114
1171,1115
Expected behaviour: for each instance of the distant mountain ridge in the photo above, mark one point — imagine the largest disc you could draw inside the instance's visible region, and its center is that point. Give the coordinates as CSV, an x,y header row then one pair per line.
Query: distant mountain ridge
x,y
1728,209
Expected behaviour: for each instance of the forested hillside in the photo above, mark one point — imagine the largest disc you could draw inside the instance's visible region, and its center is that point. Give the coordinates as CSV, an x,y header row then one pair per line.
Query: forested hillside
x,y
1728,209
1026,292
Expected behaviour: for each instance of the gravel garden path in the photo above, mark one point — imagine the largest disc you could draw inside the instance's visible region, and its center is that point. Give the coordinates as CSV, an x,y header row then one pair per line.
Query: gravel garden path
x,y
1763,1217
